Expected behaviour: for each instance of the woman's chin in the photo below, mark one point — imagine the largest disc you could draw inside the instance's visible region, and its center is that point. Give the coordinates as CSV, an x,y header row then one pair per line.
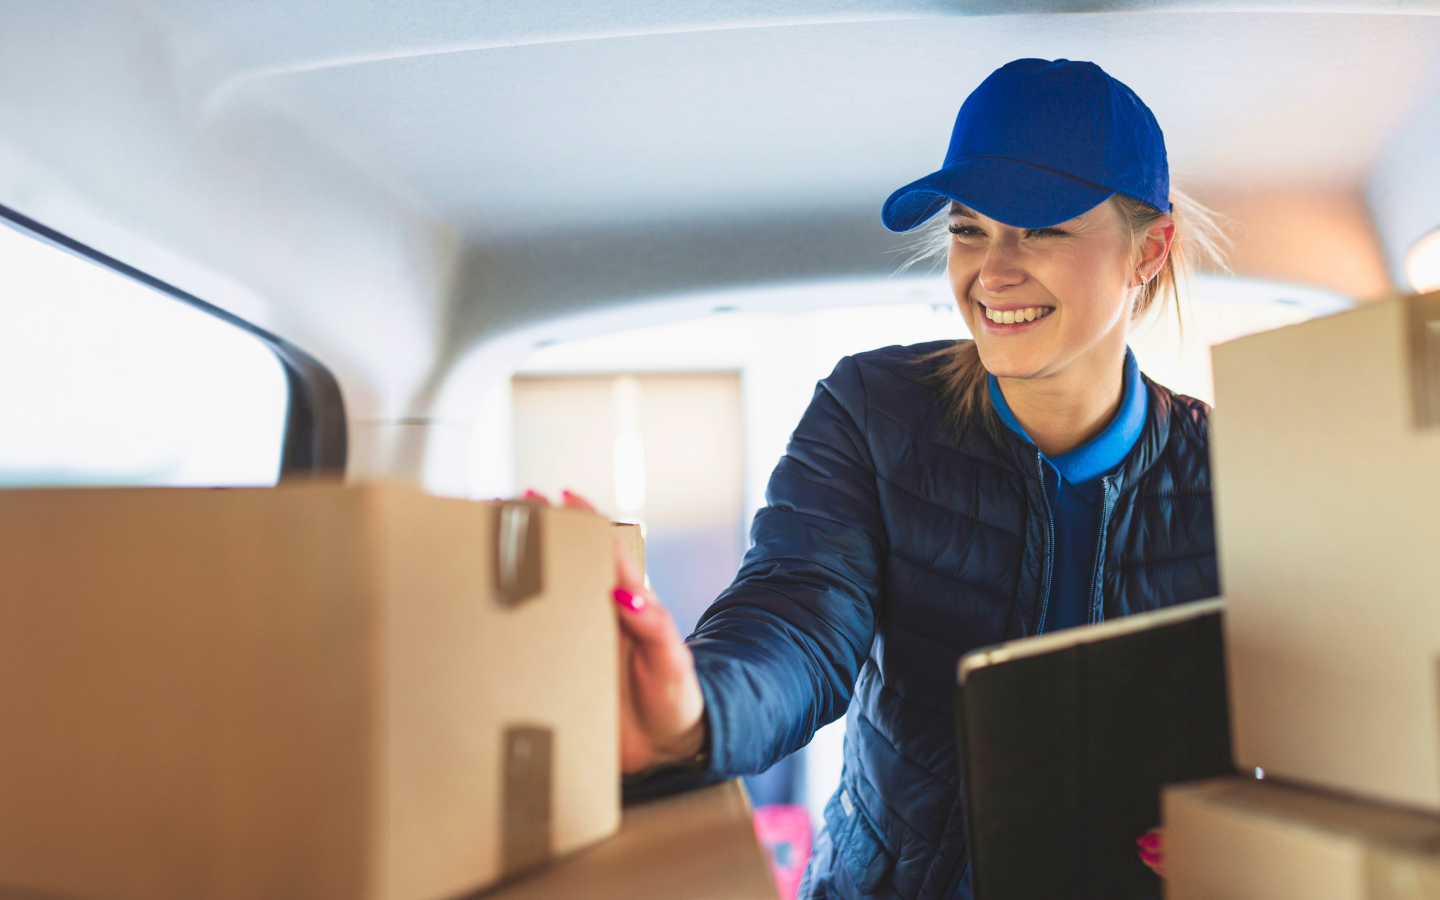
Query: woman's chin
x,y
1012,362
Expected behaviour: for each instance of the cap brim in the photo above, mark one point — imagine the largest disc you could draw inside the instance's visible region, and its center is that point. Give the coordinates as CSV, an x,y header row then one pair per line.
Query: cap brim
x,y
1007,190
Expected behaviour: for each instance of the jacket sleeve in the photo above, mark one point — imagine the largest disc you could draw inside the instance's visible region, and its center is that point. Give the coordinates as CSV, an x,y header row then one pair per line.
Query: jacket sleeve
x,y
779,651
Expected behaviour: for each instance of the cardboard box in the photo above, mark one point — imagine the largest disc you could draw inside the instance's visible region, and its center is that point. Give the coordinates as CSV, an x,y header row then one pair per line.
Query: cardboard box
x,y
317,691
1326,461
1243,839
699,845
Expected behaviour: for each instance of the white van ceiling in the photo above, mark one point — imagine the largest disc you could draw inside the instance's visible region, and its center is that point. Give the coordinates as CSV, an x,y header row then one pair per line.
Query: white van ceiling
x,y
390,184
507,118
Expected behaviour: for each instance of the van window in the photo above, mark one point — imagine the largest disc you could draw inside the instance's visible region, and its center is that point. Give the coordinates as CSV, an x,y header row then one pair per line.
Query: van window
x,y
106,381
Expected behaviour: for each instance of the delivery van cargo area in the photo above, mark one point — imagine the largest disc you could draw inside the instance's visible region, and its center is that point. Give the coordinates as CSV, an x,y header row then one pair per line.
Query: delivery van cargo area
x,y
1021,420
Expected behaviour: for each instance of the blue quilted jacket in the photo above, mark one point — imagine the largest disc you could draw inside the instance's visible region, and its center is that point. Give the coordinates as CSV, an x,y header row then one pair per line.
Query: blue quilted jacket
x,y
892,544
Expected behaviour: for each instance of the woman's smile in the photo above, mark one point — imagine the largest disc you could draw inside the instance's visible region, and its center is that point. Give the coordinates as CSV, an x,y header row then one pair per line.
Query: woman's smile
x,y
1007,321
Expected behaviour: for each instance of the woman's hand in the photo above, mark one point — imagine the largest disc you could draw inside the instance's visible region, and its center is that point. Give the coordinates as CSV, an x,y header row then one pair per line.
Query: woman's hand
x,y
661,708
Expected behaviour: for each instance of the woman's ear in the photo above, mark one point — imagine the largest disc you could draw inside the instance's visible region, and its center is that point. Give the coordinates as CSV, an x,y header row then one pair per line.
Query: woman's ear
x,y
1154,250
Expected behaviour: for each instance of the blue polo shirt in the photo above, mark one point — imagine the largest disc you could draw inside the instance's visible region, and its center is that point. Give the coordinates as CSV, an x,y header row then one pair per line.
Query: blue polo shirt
x,y
1072,483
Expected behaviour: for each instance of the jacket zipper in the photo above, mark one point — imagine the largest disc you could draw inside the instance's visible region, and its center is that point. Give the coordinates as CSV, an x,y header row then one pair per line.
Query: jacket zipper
x,y
1050,550
1097,608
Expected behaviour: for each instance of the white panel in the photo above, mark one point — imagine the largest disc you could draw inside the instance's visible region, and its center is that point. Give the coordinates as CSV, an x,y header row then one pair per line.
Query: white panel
x,y
624,127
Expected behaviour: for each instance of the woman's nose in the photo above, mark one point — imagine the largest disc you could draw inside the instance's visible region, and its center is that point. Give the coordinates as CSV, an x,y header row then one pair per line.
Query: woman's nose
x,y
1000,269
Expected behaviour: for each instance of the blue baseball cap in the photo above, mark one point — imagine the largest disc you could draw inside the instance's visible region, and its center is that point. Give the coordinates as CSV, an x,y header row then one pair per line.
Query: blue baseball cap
x,y
1039,142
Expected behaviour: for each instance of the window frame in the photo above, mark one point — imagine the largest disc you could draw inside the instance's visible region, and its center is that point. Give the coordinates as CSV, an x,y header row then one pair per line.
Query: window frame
x,y
315,441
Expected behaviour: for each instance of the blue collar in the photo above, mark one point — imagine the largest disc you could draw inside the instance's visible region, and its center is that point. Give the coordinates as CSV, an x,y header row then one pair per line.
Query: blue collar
x,y
1107,449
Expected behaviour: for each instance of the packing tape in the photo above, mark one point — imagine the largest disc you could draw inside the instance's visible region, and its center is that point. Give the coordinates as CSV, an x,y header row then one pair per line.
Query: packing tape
x,y
518,552
526,811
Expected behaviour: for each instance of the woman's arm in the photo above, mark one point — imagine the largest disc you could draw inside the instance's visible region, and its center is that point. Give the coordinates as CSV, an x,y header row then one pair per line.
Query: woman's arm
x,y
778,653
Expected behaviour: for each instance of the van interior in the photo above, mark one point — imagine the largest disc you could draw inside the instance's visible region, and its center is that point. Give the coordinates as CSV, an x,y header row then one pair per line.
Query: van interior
x,y
480,248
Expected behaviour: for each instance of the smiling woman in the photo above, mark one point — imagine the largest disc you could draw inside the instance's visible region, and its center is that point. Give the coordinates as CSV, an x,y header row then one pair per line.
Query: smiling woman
x,y
907,525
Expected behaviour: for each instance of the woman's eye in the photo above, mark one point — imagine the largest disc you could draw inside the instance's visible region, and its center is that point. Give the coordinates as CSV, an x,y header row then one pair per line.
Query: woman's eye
x,y
966,231
1044,232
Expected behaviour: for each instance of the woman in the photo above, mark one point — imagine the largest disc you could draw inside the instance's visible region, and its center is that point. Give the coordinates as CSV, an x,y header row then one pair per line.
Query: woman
x,y
938,498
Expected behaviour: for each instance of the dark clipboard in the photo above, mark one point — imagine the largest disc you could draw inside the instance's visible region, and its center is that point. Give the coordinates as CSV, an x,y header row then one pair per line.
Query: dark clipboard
x,y
1066,739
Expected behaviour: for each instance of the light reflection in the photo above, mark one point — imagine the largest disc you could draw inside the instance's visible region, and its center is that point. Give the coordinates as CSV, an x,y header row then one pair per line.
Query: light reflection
x,y
1422,263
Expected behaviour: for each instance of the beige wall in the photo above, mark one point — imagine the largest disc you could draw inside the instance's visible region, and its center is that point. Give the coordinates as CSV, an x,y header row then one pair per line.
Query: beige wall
x,y
1323,239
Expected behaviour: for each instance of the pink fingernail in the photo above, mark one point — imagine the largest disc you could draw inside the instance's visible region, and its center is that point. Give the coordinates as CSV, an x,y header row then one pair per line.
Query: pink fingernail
x,y
631,601
532,494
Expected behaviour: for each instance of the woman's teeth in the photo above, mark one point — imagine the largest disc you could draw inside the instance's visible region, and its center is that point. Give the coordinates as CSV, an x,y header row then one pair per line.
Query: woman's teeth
x,y
1011,316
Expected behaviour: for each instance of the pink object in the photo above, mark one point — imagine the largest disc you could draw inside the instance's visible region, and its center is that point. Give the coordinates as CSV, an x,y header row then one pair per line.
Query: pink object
x,y
631,601
1152,850
784,832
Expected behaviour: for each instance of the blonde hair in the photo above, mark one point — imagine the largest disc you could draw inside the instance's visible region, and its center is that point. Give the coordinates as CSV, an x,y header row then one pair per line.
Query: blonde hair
x,y
1199,240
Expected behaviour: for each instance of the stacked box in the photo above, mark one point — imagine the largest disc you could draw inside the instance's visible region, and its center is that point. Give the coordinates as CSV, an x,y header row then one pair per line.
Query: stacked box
x,y
695,845
1326,460
1245,839
318,691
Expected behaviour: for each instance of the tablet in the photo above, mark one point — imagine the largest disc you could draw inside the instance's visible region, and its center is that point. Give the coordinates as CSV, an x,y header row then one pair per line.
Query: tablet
x,y
1065,740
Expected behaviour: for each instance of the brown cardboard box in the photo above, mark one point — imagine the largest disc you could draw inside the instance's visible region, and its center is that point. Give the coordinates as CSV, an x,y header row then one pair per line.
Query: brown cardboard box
x,y
315,692
1243,839
1326,454
699,845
